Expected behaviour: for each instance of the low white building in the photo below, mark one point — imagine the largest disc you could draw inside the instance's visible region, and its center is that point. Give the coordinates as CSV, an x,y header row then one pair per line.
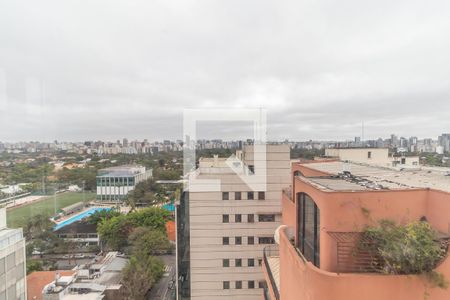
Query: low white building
x,y
100,280
11,189
372,156
12,262
113,184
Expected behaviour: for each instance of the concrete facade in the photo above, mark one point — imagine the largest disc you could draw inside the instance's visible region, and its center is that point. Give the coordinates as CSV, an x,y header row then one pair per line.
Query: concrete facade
x,y
345,206
228,229
12,262
113,184
372,156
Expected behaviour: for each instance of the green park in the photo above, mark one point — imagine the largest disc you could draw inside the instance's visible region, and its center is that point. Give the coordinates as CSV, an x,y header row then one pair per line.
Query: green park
x,y
18,216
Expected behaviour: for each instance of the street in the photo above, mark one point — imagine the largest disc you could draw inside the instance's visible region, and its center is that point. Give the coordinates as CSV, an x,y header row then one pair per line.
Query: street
x,y
165,288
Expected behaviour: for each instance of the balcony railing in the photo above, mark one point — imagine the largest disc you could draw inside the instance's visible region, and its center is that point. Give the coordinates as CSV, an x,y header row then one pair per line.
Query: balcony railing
x,y
271,252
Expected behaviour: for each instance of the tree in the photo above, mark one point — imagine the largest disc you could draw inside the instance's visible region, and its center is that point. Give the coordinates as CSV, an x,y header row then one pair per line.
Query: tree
x,y
145,192
34,265
37,226
86,175
115,232
27,172
168,174
152,217
101,215
140,275
146,241
407,249
306,153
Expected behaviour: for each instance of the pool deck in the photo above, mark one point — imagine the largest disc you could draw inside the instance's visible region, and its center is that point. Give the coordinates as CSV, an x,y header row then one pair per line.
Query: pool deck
x,y
68,217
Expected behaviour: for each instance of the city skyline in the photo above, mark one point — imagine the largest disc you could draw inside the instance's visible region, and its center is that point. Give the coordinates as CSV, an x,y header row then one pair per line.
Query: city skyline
x,y
211,150
135,68
149,140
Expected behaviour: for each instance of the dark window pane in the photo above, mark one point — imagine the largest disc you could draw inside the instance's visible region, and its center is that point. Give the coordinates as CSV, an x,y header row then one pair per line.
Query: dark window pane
x,y
250,218
250,196
225,218
251,262
266,240
225,240
238,240
261,195
238,262
251,169
251,284
266,218
309,228
237,196
225,263
225,196
238,218
238,285
250,240
226,285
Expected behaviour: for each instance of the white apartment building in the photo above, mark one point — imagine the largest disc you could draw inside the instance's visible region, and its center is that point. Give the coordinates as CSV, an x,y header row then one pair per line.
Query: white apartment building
x,y
12,262
113,184
373,156
224,231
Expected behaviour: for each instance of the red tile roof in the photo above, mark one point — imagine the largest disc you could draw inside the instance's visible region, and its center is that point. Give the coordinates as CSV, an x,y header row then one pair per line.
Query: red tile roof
x,y
36,281
170,228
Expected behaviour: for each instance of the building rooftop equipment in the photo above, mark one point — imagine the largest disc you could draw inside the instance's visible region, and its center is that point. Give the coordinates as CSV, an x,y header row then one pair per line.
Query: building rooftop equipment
x,y
121,171
374,177
36,282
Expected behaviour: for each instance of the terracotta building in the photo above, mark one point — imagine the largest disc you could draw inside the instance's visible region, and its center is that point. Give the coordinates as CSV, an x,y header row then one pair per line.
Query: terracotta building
x,y
323,214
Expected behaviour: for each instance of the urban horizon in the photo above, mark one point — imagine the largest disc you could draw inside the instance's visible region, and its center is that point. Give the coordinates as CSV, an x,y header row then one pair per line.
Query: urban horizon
x,y
173,140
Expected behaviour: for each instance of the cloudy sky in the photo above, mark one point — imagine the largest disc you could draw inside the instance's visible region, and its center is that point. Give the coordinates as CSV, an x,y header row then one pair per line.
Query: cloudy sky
x,y
77,70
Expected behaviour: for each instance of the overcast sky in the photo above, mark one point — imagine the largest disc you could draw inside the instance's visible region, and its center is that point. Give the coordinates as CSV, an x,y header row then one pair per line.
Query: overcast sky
x,y
79,70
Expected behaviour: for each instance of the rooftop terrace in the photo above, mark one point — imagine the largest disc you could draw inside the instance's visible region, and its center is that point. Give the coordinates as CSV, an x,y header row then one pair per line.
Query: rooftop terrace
x,y
365,177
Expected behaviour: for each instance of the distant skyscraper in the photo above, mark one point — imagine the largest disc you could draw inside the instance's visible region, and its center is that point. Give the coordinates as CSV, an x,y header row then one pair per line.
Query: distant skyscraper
x,y
403,143
394,141
444,141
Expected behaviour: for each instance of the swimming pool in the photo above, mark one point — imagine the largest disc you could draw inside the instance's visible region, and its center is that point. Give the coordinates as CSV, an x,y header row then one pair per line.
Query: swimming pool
x,y
79,217
169,206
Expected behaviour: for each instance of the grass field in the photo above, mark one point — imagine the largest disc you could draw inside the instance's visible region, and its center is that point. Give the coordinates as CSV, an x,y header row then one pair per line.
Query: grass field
x,y
17,217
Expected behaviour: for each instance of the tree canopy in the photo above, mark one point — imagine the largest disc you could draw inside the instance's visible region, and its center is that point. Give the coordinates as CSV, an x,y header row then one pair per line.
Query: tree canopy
x,y
116,230
147,192
140,275
145,241
78,176
101,215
